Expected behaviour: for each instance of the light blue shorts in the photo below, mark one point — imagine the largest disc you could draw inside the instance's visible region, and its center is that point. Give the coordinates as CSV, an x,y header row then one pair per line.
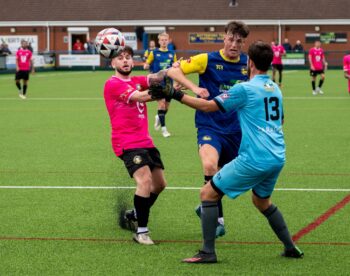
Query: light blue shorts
x,y
238,176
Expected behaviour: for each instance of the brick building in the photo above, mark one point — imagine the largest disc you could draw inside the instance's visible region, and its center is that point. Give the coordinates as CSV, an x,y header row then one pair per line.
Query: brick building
x,y
57,24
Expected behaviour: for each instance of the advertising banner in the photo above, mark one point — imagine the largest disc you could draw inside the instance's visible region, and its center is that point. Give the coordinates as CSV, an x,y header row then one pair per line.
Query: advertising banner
x,y
14,41
206,38
79,60
131,40
294,59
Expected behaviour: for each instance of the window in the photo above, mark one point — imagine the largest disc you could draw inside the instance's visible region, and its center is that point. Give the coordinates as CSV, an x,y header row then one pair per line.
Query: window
x,y
233,3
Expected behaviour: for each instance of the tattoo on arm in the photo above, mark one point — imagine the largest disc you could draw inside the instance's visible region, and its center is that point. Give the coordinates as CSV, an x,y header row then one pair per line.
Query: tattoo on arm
x,y
157,77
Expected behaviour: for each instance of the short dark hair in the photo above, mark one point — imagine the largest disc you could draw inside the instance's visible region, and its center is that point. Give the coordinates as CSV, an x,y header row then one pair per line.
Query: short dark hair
x,y
125,49
261,54
237,27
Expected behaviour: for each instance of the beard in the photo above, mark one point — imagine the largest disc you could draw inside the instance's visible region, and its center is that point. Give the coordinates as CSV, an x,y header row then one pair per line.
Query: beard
x,y
124,73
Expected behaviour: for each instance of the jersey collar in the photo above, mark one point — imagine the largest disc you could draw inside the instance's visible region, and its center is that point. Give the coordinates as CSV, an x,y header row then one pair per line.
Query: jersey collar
x,y
227,59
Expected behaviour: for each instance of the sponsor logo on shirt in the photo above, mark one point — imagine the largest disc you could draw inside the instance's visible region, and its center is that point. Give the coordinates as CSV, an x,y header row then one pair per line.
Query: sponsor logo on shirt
x,y
141,108
219,67
137,159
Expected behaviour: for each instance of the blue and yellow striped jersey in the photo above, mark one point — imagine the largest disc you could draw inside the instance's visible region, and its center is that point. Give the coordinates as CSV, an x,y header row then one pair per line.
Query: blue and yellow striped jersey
x,y
161,59
217,74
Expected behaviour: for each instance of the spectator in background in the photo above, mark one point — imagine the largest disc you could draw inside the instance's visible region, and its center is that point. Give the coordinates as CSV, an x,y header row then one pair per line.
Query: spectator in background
x,y
298,48
78,46
30,48
4,50
89,47
287,46
171,45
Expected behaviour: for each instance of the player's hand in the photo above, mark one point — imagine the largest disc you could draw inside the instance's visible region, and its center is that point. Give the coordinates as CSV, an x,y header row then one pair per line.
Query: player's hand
x,y
165,90
325,66
156,91
201,92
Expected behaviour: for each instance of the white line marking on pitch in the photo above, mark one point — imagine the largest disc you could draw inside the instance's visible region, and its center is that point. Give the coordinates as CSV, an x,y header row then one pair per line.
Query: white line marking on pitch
x,y
168,188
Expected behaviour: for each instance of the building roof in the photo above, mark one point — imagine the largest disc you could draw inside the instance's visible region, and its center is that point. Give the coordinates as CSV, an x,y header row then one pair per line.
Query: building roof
x,y
172,11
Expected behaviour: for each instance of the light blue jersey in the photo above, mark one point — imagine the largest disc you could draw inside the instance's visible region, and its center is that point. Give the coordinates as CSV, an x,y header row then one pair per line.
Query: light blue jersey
x,y
259,108
261,156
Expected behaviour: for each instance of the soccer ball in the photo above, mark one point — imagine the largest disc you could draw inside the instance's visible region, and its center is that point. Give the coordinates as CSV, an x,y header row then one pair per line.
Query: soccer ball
x,y
108,42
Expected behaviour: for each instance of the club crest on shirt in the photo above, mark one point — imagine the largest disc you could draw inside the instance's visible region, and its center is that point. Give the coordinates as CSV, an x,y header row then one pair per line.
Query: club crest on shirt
x,y
138,87
244,70
137,159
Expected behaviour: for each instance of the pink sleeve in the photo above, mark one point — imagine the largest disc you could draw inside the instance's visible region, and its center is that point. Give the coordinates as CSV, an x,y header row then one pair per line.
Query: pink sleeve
x,y
346,63
144,82
120,91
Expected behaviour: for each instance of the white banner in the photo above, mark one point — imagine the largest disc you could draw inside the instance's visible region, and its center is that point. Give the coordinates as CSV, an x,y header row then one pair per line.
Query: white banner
x,y
39,61
14,41
131,40
79,60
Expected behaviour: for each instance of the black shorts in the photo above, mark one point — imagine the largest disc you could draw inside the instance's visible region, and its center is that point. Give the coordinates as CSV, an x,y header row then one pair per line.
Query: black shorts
x,y
137,158
278,67
22,75
314,73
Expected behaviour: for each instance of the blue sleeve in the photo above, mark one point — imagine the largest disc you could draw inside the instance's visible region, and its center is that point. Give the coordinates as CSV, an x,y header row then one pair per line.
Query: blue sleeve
x,y
233,99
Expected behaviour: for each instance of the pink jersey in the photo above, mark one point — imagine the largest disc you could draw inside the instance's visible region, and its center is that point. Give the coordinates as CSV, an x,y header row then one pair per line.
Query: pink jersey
x,y
317,57
278,52
24,57
128,118
346,67
346,63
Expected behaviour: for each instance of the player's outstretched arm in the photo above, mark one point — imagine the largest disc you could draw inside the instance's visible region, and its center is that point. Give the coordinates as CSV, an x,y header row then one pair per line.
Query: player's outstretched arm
x,y
157,77
176,74
200,104
141,96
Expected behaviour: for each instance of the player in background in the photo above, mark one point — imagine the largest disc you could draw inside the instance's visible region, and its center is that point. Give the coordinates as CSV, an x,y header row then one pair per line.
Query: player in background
x,y
346,67
318,65
125,97
261,158
218,133
24,65
277,65
151,47
160,59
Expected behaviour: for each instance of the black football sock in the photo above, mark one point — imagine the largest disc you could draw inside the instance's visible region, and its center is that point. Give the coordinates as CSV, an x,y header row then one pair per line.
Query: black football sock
x,y
142,209
24,89
279,226
280,78
221,212
161,115
153,197
18,85
313,83
209,219
320,83
207,178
